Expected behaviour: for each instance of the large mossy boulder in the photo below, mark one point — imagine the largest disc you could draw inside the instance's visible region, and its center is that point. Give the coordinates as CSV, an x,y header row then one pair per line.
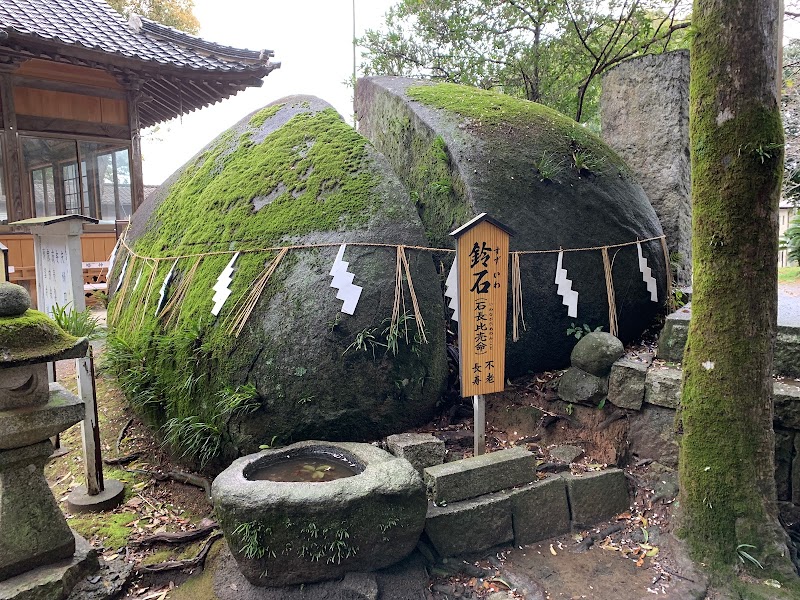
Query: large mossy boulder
x,y
292,174
463,151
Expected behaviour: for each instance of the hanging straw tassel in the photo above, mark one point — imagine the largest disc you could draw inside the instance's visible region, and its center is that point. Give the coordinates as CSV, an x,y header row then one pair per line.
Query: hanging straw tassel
x,y
401,266
141,307
120,295
670,300
612,304
516,297
172,308
417,313
245,306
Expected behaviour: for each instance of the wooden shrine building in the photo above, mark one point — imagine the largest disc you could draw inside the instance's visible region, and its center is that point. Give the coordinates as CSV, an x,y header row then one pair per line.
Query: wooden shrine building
x,y
77,84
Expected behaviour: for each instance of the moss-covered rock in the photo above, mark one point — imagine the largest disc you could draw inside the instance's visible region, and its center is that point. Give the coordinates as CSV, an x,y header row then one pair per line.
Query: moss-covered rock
x,y
35,337
291,174
463,151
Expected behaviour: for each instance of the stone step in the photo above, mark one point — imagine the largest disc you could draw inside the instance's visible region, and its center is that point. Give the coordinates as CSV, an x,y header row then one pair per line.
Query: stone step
x,y
479,475
672,340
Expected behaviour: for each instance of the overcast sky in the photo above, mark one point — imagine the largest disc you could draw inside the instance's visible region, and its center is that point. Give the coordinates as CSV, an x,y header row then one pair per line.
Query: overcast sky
x,y
311,38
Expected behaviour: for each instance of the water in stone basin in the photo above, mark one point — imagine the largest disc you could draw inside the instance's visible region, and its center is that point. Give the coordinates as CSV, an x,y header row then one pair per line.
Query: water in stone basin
x,y
309,469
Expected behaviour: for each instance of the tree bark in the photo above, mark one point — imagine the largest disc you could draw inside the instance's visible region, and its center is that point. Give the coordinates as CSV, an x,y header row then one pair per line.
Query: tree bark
x,y
727,451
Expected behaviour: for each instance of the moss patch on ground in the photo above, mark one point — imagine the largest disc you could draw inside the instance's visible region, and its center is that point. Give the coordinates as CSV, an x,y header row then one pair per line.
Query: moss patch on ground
x,y
111,530
200,586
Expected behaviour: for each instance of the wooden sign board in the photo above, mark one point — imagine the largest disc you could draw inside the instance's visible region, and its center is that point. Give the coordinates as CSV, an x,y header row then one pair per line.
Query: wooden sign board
x,y
482,262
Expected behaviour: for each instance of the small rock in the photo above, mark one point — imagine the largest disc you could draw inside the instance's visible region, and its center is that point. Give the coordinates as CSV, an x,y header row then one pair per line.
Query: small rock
x,y
471,570
579,387
14,300
596,352
565,453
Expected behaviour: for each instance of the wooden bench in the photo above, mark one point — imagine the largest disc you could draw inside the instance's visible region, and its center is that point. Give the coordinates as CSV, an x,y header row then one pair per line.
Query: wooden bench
x,y
94,279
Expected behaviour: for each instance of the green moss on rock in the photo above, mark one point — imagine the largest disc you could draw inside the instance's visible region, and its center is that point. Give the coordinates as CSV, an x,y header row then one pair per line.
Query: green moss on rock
x,y
30,335
302,176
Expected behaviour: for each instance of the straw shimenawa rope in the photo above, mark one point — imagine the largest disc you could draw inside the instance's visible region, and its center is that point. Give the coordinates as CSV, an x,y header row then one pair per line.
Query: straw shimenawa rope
x,y
245,306
516,297
612,305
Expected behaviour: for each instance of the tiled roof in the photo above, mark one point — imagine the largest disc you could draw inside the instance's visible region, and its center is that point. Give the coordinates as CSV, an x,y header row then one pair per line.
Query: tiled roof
x,y
91,32
94,25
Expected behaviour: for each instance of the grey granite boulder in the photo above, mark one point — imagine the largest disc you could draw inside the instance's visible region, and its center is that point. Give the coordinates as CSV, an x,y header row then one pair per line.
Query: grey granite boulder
x,y
463,151
579,387
289,533
596,352
292,174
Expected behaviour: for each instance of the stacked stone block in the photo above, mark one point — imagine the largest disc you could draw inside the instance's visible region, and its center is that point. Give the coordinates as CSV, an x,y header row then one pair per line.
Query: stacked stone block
x,y
485,501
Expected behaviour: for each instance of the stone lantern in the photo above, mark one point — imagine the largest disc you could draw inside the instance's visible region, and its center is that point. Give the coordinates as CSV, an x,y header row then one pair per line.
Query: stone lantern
x,y
33,531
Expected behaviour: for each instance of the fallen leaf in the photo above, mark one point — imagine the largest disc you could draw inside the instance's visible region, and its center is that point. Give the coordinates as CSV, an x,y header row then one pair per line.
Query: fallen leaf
x,y
652,552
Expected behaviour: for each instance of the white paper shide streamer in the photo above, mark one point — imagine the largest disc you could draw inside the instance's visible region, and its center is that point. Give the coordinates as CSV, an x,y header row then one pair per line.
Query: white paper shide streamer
x,y
222,287
111,259
162,296
565,288
451,289
122,274
343,282
647,274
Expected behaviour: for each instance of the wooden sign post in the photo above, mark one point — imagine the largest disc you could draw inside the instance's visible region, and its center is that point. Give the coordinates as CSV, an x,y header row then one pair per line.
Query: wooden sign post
x,y
482,266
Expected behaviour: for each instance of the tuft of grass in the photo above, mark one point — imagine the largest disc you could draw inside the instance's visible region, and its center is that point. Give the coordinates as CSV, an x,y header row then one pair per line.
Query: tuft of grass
x,y
79,323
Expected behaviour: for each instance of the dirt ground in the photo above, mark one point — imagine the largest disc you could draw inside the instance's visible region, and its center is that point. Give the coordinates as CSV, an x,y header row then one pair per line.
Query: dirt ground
x,y
630,558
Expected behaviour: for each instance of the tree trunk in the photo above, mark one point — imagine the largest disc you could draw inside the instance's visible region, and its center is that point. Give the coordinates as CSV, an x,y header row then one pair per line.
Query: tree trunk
x,y
727,451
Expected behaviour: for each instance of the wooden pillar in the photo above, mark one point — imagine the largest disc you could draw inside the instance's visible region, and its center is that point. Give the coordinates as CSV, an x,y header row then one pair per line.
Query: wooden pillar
x,y
137,184
12,163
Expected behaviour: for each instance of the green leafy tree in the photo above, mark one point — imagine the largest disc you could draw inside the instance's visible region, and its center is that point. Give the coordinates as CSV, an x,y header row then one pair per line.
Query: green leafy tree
x,y
175,13
728,498
548,51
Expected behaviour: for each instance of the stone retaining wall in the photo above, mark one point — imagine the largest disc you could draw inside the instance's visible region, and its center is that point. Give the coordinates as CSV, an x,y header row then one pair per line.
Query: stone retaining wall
x,y
652,391
497,498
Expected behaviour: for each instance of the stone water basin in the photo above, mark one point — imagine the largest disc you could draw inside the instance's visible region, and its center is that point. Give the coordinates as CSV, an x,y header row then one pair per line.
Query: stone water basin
x,y
293,532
